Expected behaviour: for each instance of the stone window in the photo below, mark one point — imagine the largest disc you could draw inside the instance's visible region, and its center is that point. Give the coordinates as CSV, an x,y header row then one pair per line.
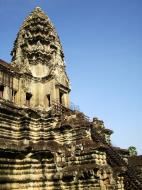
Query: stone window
x,y
1,91
28,99
14,92
61,97
49,100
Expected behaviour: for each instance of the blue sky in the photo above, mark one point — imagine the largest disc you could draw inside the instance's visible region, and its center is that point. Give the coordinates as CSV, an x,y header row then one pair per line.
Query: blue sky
x,y
102,41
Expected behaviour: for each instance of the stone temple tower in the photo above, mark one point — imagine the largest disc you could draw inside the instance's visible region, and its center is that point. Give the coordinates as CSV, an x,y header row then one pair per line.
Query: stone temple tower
x,y
44,144
38,55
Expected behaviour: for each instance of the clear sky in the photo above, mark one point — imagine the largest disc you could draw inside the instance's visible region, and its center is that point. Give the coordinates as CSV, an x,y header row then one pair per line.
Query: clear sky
x,y
102,41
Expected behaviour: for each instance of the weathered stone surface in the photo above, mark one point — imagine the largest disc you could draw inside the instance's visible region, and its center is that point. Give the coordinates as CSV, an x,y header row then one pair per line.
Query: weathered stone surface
x,y
44,145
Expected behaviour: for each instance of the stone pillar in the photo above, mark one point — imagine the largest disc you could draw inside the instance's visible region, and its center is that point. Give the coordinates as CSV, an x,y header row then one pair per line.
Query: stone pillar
x,y
7,93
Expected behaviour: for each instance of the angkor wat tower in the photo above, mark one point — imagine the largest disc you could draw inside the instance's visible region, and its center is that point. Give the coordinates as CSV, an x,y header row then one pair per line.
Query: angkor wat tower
x,y
45,145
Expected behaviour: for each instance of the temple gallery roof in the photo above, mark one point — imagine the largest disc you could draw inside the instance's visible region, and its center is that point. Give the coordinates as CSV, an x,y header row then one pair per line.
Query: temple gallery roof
x,y
6,66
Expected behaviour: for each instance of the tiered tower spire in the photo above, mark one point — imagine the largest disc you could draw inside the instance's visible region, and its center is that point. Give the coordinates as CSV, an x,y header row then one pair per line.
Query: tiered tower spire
x,y
38,56
37,48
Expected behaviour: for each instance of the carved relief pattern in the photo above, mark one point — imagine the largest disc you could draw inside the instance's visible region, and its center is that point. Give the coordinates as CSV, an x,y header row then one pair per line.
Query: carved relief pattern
x,y
37,42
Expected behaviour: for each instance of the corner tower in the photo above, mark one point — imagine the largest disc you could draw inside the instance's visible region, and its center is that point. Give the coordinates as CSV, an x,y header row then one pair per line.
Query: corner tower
x,y
38,56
